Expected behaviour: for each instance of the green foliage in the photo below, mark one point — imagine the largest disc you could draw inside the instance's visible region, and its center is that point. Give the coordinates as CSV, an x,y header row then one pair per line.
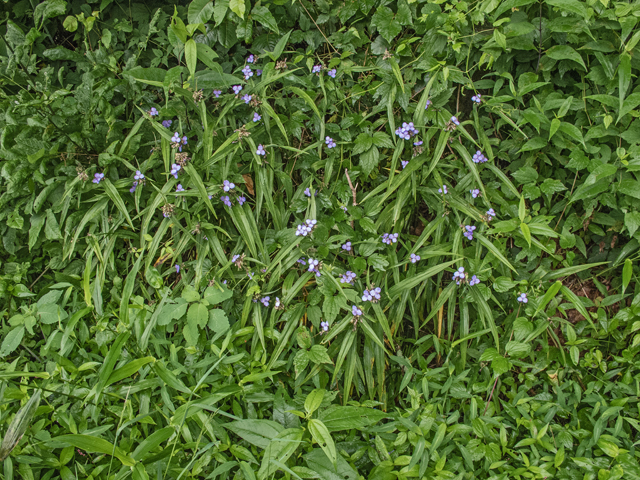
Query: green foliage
x,y
175,327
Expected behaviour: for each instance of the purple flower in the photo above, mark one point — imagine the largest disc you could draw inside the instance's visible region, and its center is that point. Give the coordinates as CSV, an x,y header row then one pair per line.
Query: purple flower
x,y
415,258
153,112
455,120
404,163
443,190
301,260
183,142
234,258
261,150
426,106
246,98
237,89
355,311
247,72
316,69
226,201
175,168
332,73
344,208
307,192
256,117
329,141
133,188
469,231
241,200
277,304
389,238
251,59
475,193
176,138
265,301
476,98
324,326
217,93
179,188
348,277
227,185
523,298
406,131
167,123
306,228
417,143
372,295
491,213
250,275
459,275
474,281
478,157
259,72
139,175
97,177
177,268
313,264
347,246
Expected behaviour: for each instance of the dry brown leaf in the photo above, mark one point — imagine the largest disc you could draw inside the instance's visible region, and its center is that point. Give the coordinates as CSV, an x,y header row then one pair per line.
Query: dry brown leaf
x,y
249,183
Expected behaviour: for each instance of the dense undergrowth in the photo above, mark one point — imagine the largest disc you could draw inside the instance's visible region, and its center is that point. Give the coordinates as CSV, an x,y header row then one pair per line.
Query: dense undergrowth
x,y
363,239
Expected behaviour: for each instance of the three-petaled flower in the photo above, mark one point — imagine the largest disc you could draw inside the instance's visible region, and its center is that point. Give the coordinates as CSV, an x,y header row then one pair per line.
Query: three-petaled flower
x,y
153,112
476,98
179,188
167,123
443,190
256,117
261,150
475,192
247,72
459,275
329,141
316,69
332,73
455,120
415,258
468,231
175,168
97,177
474,281
236,89
227,185
355,311
523,298
217,93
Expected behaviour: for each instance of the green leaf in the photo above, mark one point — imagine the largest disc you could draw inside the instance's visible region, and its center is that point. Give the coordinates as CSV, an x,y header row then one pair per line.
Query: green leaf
x,y
313,400
12,340
627,272
280,448
237,7
494,250
573,6
321,435
262,15
565,52
257,432
526,233
363,143
19,424
198,315
92,444
318,354
200,11
300,361
386,24
218,321
128,369
191,55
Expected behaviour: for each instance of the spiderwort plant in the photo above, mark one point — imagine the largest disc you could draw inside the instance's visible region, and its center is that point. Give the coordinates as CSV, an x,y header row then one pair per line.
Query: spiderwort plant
x,y
468,231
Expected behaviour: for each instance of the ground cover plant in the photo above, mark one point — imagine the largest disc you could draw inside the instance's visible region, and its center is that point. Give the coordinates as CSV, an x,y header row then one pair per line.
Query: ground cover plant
x,y
291,239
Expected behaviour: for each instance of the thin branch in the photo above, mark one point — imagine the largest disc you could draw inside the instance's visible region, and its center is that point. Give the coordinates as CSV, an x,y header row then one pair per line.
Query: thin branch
x,y
353,189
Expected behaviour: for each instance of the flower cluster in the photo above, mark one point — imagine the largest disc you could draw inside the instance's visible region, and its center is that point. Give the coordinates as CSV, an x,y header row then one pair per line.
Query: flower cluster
x,y
476,98
226,201
247,98
265,301
167,210
251,59
242,199
460,276
475,193
347,246
330,142
468,231
348,277
389,238
316,69
406,131
306,228
491,213
523,298
247,72
178,142
371,295
427,105
167,123
357,313
478,157
175,168
332,73
314,267
414,258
